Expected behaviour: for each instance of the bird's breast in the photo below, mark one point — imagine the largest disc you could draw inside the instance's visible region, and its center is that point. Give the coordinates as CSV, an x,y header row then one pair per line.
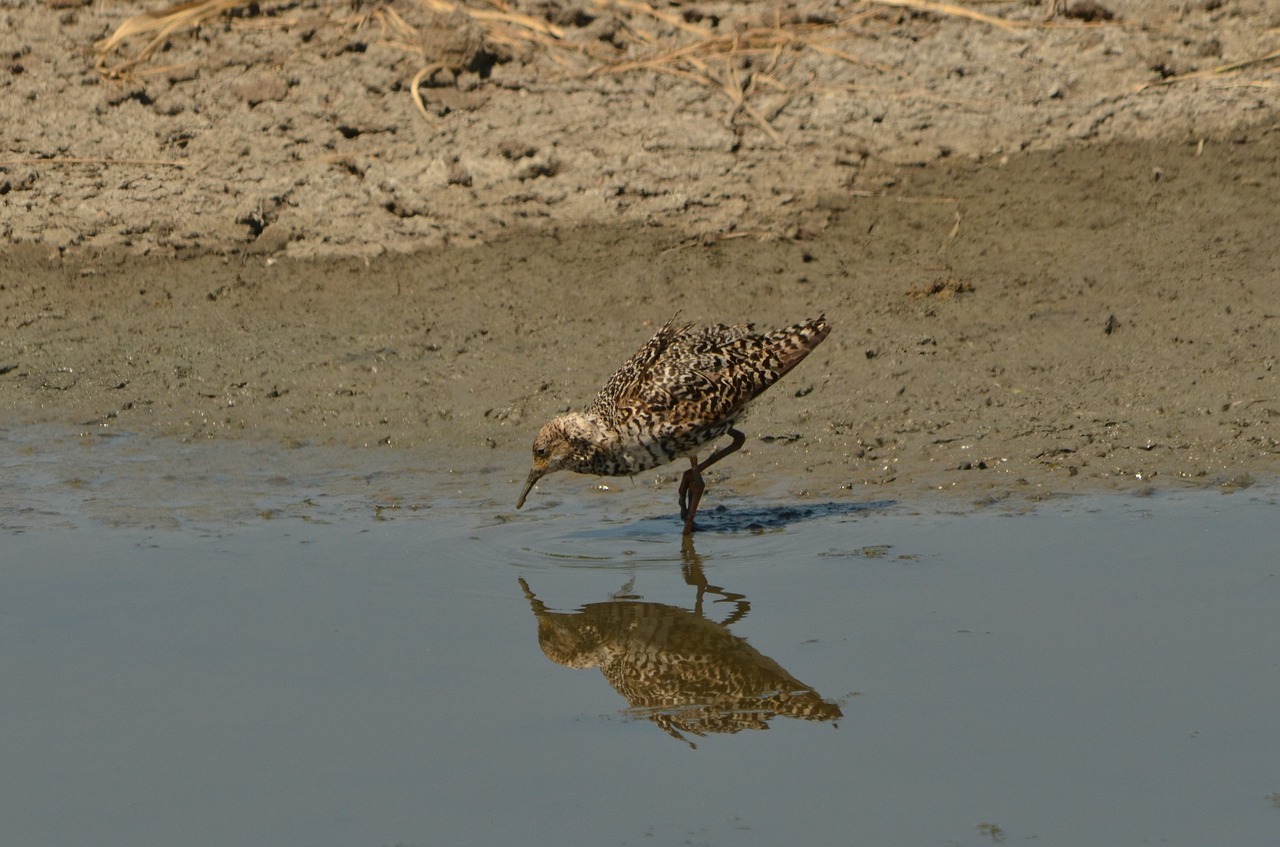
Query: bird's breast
x,y
639,446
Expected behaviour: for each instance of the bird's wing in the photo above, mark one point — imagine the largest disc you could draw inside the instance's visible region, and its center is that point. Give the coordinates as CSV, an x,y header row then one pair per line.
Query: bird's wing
x,y
680,374
633,381
699,378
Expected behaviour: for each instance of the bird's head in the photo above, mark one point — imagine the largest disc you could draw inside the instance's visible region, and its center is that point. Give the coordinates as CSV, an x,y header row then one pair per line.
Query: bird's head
x,y
561,444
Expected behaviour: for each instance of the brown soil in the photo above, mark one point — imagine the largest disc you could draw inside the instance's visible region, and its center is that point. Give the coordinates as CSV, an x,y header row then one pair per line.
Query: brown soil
x,y
1043,275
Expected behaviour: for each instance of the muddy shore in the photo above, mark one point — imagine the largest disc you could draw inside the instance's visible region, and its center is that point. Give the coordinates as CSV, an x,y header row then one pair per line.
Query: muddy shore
x,y
1062,322
1037,287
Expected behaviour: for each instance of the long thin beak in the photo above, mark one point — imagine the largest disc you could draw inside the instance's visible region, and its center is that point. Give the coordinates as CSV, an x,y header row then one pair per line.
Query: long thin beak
x,y
534,476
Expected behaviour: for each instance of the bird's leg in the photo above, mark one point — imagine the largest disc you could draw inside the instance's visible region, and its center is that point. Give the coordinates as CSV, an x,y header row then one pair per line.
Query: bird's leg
x,y
738,440
696,487
684,486
693,478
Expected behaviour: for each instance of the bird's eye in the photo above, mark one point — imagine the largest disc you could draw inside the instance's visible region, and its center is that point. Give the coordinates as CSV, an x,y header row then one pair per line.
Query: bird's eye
x,y
541,452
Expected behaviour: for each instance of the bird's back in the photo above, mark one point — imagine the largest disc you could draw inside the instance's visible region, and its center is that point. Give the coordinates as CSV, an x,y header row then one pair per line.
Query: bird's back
x,y
703,376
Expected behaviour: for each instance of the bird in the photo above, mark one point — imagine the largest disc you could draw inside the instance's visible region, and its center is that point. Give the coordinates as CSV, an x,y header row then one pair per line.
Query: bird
x,y
685,388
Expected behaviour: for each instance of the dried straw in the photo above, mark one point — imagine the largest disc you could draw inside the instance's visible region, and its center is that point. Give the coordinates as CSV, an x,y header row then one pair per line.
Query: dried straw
x,y
1216,73
160,26
77,160
951,9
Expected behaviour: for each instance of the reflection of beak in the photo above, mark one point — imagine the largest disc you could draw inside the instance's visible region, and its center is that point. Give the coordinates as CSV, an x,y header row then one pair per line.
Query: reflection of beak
x,y
534,476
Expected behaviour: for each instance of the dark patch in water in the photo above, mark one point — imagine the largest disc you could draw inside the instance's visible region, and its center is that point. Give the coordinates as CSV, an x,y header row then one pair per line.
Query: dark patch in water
x,y
757,519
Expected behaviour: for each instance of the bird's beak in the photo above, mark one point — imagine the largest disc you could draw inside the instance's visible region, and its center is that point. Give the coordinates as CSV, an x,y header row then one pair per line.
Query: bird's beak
x,y
534,475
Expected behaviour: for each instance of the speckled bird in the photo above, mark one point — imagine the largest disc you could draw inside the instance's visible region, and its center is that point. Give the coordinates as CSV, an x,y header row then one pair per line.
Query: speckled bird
x,y
682,390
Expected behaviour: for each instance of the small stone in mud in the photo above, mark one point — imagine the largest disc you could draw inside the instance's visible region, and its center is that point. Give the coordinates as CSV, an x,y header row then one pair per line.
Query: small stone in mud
x,y
1089,11
942,288
259,87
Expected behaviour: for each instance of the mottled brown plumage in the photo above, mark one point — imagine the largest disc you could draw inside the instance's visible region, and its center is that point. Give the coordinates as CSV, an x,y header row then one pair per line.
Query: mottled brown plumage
x,y
676,668
683,389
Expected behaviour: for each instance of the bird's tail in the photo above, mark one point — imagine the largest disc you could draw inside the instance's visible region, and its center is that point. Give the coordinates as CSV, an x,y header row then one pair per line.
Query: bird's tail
x,y
795,342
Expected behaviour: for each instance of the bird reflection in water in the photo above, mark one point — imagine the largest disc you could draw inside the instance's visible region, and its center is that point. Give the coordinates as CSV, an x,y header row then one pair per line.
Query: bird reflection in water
x,y
675,667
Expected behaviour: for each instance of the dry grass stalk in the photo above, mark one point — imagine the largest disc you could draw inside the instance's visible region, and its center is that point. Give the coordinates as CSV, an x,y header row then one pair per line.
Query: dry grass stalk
x,y
952,10
498,17
714,60
160,26
1218,73
163,24
640,8
78,160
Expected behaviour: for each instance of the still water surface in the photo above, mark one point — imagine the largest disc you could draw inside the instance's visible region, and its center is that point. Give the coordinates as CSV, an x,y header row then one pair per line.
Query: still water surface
x,y
295,667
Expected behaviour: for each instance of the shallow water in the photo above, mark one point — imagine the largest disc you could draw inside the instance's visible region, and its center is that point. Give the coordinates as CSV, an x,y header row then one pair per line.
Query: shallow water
x,y
220,644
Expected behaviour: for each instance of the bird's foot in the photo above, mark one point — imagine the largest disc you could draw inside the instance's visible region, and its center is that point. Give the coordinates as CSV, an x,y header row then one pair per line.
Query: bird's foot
x,y
686,482
691,488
